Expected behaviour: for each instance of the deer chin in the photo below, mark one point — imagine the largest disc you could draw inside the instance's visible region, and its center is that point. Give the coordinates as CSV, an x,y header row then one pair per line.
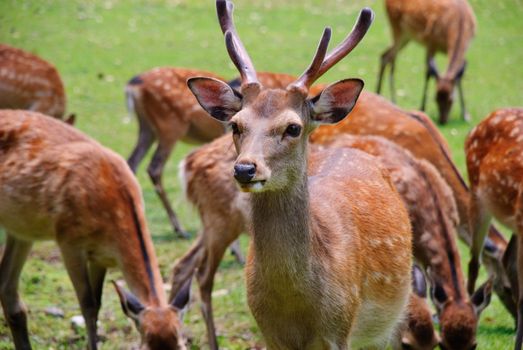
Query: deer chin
x,y
253,186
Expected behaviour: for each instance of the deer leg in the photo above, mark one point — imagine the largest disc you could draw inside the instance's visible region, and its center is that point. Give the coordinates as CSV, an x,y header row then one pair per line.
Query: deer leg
x,y
96,280
155,171
459,77
15,255
236,251
386,58
479,224
186,266
215,249
146,137
519,333
431,72
76,265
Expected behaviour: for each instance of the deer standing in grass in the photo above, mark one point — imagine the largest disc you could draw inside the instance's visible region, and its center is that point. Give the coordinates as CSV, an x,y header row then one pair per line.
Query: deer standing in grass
x,y
445,26
167,112
312,278
29,82
494,151
57,184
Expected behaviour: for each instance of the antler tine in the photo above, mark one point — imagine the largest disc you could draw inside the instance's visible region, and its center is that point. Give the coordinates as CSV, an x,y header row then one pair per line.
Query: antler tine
x,y
235,47
346,46
309,76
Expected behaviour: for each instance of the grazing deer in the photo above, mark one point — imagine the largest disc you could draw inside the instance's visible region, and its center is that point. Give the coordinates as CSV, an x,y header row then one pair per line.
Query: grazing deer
x,y
58,184
433,215
29,82
417,331
167,112
374,115
312,278
494,151
445,26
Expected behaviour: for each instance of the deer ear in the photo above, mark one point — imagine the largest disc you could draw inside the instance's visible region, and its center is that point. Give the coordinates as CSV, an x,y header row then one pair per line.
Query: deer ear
x,y
181,300
481,297
131,306
336,101
419,285
439,296
216,97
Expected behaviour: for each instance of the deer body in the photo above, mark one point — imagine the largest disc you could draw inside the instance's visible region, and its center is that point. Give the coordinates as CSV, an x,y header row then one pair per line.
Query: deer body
x,y
29,82
495,168
445,26
291,266
433,215
57,184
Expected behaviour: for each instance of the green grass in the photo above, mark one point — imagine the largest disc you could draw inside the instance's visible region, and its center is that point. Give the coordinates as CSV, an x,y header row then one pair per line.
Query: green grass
x,y
98,45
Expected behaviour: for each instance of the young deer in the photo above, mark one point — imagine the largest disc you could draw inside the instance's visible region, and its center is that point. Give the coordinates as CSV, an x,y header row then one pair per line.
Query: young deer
x,y
57,184
445,26
312,278
29,82
433,215
494,163
374,115
167,112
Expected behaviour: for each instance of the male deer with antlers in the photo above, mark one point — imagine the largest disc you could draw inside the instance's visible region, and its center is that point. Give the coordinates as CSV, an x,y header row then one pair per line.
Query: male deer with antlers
x,y
441,26
312,278
57,184
494,151
29,82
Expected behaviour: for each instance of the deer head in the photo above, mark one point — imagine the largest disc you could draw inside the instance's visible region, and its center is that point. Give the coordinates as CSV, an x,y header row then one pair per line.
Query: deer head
x,y
458,326
151,321
271,126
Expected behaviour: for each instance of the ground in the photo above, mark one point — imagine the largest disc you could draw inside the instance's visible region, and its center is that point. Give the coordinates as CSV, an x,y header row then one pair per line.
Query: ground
x,y
98,45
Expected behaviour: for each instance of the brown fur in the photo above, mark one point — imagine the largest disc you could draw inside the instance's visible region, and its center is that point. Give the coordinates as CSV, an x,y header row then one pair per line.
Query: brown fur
x,y
58,184
434,219
495,168
29,82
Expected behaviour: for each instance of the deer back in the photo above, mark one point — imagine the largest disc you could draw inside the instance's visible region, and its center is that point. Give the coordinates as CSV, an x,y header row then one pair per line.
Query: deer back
x,y
29,82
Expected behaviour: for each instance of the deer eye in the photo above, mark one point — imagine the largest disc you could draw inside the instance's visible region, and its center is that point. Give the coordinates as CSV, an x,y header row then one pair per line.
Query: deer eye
x,y
293,130
234,128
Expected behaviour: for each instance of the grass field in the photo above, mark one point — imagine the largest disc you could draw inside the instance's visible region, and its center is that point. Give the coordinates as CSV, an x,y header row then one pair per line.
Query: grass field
x,y
98,45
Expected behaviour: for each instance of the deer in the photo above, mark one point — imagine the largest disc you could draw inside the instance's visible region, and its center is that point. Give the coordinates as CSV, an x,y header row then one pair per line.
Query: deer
x,y
30,82
304,288
433,214
167,112
58,184
493,154
446,26
417,331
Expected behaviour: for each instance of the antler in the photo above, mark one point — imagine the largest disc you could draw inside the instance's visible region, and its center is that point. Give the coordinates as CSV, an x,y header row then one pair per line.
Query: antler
x,y
309,76
343,49
235,48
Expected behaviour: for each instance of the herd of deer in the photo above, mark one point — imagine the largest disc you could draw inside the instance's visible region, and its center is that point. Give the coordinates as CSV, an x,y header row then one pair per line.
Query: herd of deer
x,y
336,212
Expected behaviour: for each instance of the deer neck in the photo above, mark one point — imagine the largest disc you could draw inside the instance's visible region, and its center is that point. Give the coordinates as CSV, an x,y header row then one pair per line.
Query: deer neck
x,y
281,229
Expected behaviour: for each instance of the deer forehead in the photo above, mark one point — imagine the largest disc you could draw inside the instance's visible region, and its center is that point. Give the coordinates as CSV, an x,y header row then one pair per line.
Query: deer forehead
x,y
271,103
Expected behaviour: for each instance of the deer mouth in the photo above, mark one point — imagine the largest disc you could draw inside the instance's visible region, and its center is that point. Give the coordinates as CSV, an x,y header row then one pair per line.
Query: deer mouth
x,y
252,186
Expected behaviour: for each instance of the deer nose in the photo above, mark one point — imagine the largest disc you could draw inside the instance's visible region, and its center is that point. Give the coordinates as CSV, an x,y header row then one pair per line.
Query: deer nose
x,y
244,173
